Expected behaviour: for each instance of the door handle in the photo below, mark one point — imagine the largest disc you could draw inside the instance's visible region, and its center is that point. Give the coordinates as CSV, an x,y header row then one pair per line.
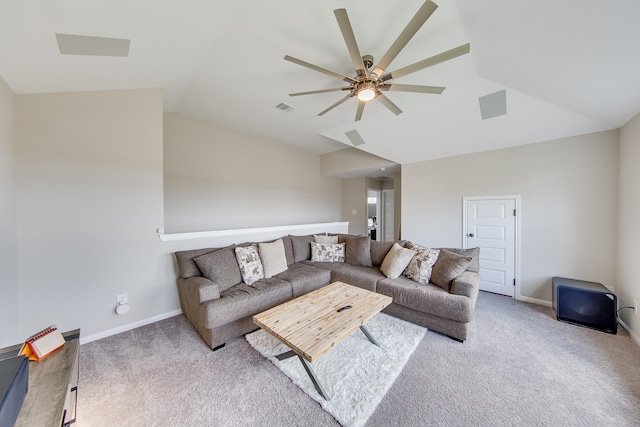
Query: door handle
x,y
471,235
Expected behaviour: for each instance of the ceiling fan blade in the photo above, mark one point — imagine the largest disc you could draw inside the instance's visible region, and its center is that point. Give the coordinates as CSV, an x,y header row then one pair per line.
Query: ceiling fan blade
x,y
320,69
350,40
425,63
409,31
390,105
331,107
413,88
311,92
359,110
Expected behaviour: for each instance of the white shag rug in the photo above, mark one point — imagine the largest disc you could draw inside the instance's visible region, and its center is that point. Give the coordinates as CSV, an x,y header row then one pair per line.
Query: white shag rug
x,y
356,374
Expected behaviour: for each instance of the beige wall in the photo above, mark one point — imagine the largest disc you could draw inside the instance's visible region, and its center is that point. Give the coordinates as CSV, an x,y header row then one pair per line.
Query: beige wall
x,y
217,178
628,284
89,198
569,205
354,199
8,234
350,162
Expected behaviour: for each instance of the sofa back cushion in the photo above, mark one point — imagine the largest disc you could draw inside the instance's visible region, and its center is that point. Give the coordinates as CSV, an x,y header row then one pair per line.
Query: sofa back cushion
x,y
288,249
379,250
186,266
221,267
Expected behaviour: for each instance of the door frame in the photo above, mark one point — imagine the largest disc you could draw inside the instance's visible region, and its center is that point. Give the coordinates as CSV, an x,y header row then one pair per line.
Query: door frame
x,y
383,214
517,232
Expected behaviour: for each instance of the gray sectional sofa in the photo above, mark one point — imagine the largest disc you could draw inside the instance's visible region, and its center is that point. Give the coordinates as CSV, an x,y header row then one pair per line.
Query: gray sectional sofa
x,y
220,305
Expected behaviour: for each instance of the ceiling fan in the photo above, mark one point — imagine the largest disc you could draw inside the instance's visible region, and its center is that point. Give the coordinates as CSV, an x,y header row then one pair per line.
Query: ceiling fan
x,y
369,84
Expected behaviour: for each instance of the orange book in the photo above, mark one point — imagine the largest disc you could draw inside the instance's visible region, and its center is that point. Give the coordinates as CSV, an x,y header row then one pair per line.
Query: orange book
x,y
42,344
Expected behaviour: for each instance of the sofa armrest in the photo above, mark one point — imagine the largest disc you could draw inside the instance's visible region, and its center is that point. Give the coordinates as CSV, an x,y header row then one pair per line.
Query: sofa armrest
x,y
467,284
197,289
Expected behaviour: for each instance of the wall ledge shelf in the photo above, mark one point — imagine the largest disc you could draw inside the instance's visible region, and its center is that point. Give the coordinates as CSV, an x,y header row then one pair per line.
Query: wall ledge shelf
x,y
336,227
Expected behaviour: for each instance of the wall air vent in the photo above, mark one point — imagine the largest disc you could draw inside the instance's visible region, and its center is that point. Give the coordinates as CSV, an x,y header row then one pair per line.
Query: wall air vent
x,y
382,178
284,107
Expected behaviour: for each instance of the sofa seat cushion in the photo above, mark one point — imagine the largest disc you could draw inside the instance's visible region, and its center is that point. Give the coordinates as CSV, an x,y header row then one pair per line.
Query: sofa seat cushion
x,y
242,300
356,275
305,278
429,298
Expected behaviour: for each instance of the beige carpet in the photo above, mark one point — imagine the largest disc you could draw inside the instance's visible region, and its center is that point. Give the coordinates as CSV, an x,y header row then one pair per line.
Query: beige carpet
x,y
520,367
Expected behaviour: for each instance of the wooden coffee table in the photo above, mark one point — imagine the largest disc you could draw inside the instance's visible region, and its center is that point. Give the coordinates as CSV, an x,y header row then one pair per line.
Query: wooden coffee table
x,y
314,323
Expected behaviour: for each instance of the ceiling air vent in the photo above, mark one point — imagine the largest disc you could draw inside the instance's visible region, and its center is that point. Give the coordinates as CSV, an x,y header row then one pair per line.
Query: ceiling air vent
x,y
382,178
354,137
72,44
284,107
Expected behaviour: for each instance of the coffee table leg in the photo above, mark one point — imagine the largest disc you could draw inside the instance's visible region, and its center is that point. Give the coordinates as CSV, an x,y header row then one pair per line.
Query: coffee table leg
x,y
286,355
368,335
314,379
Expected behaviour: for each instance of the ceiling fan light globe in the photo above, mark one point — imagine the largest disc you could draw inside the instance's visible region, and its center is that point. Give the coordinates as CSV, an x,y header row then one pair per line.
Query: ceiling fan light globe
x,y
366,94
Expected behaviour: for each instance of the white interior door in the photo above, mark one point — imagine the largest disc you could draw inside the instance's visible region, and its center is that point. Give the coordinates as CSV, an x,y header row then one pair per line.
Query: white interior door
x,y
490,224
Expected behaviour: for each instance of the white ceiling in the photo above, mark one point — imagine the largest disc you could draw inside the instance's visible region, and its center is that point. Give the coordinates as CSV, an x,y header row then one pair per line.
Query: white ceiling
x,y
569,67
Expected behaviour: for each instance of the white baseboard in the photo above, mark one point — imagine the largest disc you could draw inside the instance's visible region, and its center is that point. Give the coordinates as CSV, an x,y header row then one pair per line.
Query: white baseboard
x,y
633,335
535,301
128,327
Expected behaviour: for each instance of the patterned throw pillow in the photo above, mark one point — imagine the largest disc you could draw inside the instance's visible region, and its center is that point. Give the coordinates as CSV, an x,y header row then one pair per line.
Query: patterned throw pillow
x,y
421,265
327,252
250,264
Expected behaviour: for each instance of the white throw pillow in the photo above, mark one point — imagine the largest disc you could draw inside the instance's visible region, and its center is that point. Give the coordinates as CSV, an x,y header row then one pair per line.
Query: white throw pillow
x,y
396,261
250,264
274,260
318,238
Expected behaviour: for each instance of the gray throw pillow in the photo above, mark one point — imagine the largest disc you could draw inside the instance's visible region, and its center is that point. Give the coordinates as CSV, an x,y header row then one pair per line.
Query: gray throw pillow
x,y
301,247
358,251
221,267
186,266
474,253
448,266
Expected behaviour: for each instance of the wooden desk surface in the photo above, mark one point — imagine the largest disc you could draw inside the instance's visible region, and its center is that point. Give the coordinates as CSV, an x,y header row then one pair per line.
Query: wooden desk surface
x,y
311,325
48,382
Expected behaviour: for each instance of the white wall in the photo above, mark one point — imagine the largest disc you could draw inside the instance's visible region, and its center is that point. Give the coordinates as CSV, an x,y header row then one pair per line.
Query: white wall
x,y
569,205
217,178
628,283
9,332
89,198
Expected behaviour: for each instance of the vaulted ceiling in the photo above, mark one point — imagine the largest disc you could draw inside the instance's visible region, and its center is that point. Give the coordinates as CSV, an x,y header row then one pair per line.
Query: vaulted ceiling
x,y
568,67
